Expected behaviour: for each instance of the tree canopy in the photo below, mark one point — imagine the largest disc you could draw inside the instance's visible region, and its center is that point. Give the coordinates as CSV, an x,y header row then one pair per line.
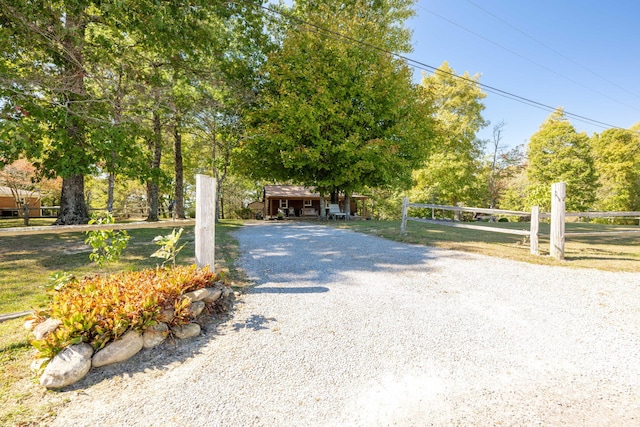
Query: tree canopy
x,y
336,114
616,154
556,152
62,71
451,173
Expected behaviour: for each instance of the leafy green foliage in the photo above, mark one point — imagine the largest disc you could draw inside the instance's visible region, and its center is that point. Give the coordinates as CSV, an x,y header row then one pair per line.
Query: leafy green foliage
x,y
60,279
616,154
451,173
332,115
107,244
100,309
169,248
557,153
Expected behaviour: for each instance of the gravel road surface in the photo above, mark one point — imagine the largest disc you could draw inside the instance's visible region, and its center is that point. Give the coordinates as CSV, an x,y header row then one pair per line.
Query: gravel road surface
x,y
345,329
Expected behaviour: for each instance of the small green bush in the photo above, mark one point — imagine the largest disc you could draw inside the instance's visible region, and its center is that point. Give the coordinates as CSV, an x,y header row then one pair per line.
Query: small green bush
x,y
97,310
244,213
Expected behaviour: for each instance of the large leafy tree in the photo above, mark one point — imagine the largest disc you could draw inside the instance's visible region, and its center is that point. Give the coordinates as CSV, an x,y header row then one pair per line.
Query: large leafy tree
x,y
56,58
452,173
557,153
337,111
617,160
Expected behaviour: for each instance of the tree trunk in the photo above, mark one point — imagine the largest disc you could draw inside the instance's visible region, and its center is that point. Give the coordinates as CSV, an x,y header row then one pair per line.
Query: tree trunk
x,y
152,185
323,207
110,192
73,209
347,204
178,206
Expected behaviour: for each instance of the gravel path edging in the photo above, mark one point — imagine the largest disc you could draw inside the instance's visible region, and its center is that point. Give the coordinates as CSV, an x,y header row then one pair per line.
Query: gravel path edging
x,y
347,329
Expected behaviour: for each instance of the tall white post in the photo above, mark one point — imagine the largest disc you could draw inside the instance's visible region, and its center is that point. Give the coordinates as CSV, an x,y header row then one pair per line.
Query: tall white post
x,y
558,196
205,230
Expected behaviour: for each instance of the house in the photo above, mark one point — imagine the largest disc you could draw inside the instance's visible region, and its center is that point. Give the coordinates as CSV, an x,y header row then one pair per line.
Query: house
x,y
299,201
257,208
9,207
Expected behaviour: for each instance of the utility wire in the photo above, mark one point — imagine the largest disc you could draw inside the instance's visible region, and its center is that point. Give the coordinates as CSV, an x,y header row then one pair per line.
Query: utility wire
x,y
544,67
546,46
432,69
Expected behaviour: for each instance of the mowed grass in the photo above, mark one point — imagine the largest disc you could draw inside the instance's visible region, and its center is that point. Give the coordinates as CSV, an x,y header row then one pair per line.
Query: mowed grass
x,y
612,253
25,265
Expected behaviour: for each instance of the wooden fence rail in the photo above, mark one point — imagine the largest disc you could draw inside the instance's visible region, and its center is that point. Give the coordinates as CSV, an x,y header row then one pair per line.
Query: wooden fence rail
x,y
532,233
58,229
558,216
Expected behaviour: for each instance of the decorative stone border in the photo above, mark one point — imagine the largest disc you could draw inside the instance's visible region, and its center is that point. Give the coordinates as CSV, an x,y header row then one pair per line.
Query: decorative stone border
x,y
74,362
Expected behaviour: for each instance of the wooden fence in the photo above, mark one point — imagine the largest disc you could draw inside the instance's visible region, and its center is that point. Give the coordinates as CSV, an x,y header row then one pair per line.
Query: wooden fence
x,y
558,215
204,223
532,233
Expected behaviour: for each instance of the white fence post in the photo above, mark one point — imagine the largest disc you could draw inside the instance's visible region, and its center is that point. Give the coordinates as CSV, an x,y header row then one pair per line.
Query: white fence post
x,y
558,196
405,209
205,230
533,230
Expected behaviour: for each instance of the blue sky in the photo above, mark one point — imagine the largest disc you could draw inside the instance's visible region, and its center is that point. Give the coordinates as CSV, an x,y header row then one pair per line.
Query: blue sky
x,y
581,55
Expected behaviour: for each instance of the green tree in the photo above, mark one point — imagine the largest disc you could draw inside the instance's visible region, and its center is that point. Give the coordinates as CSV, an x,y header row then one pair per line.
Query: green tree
x,y
59,79
617,161
452,172
557,153
335,114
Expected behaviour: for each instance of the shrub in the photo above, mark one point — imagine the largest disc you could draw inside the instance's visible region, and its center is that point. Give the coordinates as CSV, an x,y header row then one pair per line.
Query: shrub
x,y
107,245
244,213
99,309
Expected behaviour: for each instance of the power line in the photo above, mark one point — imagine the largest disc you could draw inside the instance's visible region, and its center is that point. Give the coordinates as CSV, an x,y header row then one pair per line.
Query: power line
x,y
429,68
554,50
544,67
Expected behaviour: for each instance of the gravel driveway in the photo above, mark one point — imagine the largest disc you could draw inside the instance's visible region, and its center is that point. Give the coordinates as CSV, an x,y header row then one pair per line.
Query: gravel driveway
x,y
348,329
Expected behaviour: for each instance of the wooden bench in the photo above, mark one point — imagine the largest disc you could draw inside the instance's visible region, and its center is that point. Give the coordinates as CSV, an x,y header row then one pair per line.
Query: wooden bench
x,y
309,212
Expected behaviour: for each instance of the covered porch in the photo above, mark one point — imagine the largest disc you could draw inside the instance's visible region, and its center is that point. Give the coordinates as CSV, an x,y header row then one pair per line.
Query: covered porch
x,y
297,201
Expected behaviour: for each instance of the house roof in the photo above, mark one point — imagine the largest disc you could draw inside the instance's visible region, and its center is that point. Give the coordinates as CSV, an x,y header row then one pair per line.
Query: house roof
x,y
295,192
6,192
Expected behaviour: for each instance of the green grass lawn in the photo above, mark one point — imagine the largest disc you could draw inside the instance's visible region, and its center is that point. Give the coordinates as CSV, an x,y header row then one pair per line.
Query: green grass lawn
x,y
26,263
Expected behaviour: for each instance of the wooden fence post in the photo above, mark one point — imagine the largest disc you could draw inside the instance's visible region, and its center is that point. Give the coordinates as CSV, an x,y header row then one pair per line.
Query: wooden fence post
x,y
533,230
205,230
558,196
405,209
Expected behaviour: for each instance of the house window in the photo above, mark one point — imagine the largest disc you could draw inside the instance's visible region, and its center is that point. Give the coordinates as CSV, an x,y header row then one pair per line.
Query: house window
x,y
307,203
284,203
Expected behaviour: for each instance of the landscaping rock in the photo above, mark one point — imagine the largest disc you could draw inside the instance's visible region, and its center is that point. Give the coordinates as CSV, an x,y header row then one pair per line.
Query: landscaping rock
x,y
30,324
189,330
196,308
227,292
68,367
46,327
214,295
197,295
120,350
155,335
166,315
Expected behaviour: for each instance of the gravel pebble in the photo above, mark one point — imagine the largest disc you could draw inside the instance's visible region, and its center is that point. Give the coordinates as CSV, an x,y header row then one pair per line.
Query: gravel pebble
x,y
353,330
